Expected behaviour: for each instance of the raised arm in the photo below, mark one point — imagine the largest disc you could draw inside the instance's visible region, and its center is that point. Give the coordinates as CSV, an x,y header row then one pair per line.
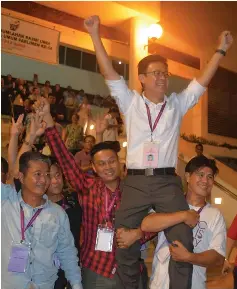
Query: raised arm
x,y
37,128
225,41
16,129
92,25
158,221
71,171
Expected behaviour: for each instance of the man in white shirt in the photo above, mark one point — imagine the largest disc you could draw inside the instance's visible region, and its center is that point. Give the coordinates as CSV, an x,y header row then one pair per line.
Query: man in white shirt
x,y
209,235
152,124
36,236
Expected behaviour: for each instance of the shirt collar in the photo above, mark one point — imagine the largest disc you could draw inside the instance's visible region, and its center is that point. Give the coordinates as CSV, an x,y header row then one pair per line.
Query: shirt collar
x,y
21,201
148,102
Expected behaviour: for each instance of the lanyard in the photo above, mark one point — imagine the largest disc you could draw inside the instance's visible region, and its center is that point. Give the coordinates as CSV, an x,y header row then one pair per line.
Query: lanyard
x,y
29,224
64,204
157,118
108,207
200,210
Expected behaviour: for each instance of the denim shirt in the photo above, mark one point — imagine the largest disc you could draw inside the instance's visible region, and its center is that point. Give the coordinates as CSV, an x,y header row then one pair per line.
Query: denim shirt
x,y
50,237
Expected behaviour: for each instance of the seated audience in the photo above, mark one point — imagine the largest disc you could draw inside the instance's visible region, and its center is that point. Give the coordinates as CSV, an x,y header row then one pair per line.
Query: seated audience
x,y
73,135
83,158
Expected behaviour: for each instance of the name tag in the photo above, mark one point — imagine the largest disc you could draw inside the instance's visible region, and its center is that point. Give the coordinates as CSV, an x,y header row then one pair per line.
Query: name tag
x,y
19,257
150,155
104,239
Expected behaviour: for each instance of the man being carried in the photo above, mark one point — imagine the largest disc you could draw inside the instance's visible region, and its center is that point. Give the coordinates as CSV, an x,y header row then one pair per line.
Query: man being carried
x,y
152,125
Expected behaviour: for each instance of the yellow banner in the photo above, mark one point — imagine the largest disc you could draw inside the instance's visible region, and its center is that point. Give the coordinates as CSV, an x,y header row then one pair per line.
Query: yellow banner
x,y
29,40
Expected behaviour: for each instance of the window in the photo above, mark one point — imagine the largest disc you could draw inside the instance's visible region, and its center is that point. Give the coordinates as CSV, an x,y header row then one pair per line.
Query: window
x,y
88,61
61,54
73,57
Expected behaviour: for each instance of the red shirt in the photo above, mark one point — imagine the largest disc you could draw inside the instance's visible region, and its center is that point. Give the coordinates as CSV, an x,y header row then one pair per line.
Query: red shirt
x,y
232,233
91,194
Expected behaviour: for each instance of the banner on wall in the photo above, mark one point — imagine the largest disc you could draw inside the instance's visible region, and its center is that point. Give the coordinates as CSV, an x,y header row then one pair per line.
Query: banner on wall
x,y
29,40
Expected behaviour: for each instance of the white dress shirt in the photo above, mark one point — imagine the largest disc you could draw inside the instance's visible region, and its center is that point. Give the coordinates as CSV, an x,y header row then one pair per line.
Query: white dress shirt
x,y
209,234
132,105
49,236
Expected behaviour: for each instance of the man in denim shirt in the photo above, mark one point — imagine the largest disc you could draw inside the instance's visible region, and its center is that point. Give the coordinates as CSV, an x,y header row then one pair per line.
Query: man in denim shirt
x,y
36,237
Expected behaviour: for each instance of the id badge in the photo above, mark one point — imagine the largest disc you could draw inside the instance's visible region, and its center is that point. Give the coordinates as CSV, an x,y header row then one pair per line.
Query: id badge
x,y
104,239
19,257
150,155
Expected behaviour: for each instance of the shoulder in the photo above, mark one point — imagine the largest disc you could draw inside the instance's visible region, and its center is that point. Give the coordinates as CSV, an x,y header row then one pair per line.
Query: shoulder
x,y
214,216
56,211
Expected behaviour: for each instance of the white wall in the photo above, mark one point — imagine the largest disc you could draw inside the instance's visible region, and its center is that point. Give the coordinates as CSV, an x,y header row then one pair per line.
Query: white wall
x,y
92,83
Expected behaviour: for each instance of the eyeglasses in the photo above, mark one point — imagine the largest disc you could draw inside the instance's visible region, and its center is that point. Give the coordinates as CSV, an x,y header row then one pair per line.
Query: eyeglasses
x,y
158,73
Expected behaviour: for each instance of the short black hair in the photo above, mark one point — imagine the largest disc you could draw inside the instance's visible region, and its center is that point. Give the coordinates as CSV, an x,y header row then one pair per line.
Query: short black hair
x,y
106,145
91,136
4,165
113,109
199,162
144,63
31,156
199,145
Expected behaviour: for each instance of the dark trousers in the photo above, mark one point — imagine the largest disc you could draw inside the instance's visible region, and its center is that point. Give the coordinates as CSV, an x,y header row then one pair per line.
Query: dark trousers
x,y
235,277
92,280
61,282
165,194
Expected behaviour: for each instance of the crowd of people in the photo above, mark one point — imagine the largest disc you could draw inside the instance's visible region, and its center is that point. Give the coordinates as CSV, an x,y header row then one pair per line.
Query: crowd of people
x,y
92,238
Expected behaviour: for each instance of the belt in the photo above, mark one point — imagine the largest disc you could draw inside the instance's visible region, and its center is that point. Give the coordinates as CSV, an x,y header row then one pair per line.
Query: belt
x,y
152,172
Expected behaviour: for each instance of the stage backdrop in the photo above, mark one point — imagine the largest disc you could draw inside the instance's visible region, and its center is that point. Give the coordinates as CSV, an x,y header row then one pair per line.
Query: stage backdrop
x,y
29,40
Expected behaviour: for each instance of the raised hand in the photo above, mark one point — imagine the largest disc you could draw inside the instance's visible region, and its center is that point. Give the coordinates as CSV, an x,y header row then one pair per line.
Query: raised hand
x,y
191,218
225,40
37,126
17,127
92,24
42,107
101,125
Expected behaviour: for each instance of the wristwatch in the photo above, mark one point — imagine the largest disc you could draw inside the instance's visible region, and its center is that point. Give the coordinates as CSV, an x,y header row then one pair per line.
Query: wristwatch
x,y
223,52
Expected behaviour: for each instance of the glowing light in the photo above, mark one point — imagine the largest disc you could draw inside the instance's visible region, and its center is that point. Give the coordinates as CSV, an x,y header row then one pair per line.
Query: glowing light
x,y
92,126
218,201
155,31
120,62
125,144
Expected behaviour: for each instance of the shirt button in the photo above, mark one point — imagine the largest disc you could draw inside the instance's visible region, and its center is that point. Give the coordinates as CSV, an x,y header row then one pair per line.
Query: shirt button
x,y
31,264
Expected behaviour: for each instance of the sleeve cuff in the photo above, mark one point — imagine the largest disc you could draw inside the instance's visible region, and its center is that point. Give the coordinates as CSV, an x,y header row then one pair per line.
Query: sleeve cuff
x,y
111,82
197,87
50,130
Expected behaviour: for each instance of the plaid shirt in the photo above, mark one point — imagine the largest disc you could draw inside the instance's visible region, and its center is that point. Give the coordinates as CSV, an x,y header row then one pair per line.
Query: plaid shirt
x,y
91,193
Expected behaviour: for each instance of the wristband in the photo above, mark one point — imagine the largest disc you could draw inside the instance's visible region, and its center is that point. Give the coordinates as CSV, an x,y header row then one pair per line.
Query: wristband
x,y
221,52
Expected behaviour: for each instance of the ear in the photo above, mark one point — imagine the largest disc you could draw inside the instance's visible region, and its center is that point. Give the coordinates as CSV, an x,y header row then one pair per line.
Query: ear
x,y
93,167
21,177
141,78
187,177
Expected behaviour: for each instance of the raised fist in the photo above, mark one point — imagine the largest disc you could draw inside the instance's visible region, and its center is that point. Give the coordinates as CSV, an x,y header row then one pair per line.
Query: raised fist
x,y
225,40
92,24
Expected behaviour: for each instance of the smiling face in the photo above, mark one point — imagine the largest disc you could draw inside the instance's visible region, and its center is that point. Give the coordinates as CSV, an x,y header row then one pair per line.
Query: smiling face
x,y
152,82
200,182
35,181
56,181
106,165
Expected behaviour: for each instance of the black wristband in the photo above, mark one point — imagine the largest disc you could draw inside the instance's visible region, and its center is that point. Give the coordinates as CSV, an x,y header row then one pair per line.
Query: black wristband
x,y
221,52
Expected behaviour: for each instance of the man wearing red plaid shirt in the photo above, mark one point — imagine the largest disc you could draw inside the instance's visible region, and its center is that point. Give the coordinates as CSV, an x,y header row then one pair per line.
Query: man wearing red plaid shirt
x,y
99,197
